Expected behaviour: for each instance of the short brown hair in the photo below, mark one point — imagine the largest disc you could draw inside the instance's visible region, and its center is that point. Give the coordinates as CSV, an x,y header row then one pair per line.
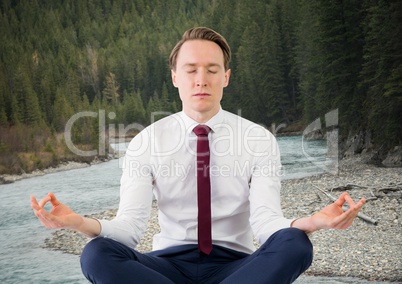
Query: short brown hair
x,y
203,34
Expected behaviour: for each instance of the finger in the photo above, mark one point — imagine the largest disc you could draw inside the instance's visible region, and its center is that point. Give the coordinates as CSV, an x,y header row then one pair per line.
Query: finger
x,y
42,219
33,200
38,210
46,223
347,218
43,201
40,213
341,222
356,206
341,200
349,200
35,206
360,204
53,199
34,203
47,220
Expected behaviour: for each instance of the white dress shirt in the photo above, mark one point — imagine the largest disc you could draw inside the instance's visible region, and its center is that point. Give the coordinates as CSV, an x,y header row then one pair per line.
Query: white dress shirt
x,y
245,184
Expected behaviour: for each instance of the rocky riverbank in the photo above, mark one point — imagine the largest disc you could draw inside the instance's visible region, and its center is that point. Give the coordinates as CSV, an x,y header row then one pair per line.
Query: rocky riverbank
x,y
63,166
368,251
4,179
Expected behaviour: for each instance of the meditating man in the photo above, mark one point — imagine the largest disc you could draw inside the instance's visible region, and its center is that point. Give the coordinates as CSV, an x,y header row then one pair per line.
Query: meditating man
x,y
216,179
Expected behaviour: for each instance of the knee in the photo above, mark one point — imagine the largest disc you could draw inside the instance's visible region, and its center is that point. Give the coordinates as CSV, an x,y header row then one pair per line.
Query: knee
x,y
95,248
299,245
292,252
95,254
90,253
299,239
294,243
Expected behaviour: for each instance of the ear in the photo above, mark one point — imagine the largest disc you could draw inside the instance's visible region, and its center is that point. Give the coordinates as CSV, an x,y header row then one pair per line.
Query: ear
x,y
173,74
227,76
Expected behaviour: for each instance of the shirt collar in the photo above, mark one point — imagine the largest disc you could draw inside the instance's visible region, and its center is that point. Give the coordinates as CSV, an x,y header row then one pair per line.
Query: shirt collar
x,y
213,123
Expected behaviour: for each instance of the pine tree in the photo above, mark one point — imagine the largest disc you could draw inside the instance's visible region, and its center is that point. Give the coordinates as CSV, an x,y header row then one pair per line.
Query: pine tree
x,y
3,114
290,59
341,46
139,109
111,90
165,102
248,57
272,65
381,73
32,110
62,111
308,54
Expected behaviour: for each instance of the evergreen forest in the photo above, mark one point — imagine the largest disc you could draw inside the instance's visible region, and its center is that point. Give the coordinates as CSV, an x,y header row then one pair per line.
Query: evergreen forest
x,y
293,61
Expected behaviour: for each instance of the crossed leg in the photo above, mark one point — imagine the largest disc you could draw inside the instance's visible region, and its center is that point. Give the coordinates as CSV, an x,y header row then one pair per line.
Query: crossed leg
x,y
281,259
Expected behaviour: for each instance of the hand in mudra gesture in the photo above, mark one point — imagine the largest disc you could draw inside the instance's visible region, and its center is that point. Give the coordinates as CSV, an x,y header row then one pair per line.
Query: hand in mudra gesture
x,y
333,216
60,216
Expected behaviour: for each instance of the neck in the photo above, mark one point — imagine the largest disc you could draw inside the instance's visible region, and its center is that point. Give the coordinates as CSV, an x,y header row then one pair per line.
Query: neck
x,y
201,117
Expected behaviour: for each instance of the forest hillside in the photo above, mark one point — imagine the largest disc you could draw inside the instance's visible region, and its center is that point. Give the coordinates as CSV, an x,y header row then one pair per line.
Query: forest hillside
x,y
293,62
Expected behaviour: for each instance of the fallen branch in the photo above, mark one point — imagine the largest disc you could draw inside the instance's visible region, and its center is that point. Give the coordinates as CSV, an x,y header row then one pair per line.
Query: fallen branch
x,y
395,188
348,186
345,208
380,192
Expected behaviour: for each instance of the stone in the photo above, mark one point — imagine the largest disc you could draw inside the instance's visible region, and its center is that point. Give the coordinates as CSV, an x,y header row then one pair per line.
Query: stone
x,y
394,158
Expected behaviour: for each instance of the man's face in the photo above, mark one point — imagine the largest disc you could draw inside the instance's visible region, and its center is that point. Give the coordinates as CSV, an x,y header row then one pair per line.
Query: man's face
x,y
200,77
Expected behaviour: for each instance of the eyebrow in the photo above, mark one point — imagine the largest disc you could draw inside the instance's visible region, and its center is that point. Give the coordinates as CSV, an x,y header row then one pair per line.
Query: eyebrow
x,y
194,64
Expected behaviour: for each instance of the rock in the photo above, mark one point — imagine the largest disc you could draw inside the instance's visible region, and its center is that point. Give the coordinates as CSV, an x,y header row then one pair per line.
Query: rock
x,y
394,157
314,135
354,144
4,179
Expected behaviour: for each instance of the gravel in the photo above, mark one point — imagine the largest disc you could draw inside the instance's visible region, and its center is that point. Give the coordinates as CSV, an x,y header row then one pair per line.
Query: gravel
x,y
366,251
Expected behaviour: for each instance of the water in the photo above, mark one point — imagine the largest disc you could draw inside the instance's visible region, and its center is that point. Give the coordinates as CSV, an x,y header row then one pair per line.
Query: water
x,y
302,158
89,190
22,258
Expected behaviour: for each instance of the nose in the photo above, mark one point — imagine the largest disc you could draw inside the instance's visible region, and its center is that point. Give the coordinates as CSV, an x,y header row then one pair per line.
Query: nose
x,y
201,79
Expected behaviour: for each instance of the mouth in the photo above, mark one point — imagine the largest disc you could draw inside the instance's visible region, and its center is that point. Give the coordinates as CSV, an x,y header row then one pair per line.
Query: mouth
x,y
202,95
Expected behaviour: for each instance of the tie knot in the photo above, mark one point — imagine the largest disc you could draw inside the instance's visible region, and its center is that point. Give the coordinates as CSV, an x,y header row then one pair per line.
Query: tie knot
x,y
201,130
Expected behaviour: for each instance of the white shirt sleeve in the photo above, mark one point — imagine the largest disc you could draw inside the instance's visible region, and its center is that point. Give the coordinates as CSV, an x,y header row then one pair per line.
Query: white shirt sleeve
x,y
266,215
135,195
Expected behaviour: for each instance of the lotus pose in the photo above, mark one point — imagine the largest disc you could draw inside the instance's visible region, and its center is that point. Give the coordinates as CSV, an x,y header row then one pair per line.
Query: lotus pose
x,y
216,179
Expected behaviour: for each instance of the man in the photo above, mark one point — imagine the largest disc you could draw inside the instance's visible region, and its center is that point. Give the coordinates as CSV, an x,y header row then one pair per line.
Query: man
x,y
216,178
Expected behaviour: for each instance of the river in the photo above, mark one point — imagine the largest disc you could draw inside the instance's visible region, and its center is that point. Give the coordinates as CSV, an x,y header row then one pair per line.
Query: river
x,y
92,189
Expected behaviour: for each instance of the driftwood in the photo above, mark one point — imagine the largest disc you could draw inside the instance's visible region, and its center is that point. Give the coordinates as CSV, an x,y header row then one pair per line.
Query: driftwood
x,y
376,192
345,208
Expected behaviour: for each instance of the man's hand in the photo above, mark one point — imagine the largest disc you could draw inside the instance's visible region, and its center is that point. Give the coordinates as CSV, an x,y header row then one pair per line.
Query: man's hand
x,y
61,216
331,216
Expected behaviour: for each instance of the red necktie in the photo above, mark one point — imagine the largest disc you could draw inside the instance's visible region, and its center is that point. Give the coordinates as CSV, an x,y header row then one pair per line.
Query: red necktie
x,y
203,190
